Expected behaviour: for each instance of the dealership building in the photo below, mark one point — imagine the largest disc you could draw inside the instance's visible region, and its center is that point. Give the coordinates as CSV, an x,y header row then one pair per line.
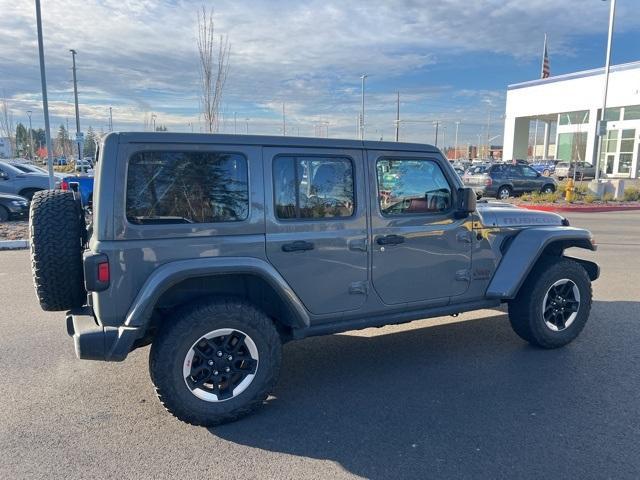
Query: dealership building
x,y
561,113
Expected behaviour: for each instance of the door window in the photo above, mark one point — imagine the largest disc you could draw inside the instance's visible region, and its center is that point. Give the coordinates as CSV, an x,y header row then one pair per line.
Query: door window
x,y
313,187
187,187
408,187
526,171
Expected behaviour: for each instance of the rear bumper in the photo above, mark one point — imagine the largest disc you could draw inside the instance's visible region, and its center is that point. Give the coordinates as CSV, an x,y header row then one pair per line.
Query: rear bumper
x,y
96,342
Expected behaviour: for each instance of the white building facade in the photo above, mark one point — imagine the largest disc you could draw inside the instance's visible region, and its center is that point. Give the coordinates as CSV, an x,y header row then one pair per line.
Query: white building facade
x,y
566,109
5,148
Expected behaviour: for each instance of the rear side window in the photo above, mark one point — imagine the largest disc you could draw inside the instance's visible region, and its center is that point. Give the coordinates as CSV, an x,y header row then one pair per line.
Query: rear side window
x,y
408,187
187,187
313,187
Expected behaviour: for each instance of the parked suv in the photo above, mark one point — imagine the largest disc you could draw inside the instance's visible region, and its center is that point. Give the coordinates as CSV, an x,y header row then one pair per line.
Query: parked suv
x,y
584,170
503,180
217,249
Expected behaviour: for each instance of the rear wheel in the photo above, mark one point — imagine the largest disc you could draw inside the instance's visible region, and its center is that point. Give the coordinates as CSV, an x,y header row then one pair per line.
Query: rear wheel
x,y
546,172
215,362
553,304
548,189
504,192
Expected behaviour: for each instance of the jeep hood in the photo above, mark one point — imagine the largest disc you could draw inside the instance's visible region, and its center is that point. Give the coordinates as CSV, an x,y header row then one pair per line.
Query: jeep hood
x,y
499,214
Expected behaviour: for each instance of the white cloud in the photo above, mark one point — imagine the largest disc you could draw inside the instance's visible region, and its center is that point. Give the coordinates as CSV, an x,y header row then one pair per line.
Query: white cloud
x,y
139,56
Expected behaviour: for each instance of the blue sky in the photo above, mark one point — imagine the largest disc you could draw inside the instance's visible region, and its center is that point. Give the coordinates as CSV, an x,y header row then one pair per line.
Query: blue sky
x,y
450,59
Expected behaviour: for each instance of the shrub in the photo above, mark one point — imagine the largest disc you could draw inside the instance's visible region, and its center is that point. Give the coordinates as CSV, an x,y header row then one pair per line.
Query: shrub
x,y
608,197
632,194
590,198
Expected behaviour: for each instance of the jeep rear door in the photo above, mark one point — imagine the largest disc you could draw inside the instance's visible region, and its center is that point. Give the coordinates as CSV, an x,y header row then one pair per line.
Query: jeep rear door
x,y
420,251
316,224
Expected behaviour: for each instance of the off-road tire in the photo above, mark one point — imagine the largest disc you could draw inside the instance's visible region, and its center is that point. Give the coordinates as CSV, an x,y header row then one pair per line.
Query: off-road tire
x,y
4,214
177,335
525,311
56,232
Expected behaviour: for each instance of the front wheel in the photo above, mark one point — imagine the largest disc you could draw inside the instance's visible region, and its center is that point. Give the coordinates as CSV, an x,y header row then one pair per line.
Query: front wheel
x,y
553,305
215,362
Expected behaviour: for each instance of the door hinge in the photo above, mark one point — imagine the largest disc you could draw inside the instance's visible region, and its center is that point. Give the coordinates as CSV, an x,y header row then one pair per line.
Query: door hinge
x,y
463,275
359,288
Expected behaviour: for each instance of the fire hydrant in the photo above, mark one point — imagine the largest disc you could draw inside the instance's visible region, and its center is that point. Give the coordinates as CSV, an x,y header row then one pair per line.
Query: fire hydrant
x,y
570,191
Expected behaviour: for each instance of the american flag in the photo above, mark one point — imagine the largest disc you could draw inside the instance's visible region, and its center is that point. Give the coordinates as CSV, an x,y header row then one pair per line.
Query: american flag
x,y
545,60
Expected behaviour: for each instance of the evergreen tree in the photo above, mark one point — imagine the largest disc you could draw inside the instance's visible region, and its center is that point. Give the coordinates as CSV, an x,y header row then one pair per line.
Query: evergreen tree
x,y
22,140
90,139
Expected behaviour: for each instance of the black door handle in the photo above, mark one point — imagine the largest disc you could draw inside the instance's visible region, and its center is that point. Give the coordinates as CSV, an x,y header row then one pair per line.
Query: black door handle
x,y
297,246
390,240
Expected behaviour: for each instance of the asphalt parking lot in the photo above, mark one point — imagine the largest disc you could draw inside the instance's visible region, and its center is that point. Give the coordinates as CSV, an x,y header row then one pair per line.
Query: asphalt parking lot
x,y
440,398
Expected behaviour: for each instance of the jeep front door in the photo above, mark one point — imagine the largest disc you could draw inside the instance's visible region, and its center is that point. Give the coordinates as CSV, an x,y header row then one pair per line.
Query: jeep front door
x,y
316,225
420,251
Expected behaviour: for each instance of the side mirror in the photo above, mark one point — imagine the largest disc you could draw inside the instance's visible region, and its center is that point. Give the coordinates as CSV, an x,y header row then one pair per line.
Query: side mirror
x,y
466,202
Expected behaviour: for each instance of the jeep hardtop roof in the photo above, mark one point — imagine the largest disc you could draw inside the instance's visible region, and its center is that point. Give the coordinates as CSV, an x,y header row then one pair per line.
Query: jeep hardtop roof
x,y
267,140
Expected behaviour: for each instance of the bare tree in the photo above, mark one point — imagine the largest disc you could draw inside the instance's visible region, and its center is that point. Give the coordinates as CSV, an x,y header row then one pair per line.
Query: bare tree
x,y
6,124
213,69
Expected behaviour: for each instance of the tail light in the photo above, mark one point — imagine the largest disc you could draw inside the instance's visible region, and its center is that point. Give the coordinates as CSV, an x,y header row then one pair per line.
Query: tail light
x,y
488,182
97,274
64,185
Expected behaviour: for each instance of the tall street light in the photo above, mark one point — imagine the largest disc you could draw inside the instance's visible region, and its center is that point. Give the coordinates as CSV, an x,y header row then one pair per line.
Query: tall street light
x,y
75,94
362,77
30,136
45,102
602,130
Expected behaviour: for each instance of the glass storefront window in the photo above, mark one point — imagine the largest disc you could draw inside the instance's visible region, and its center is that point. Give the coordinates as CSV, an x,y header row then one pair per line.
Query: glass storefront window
x,y
632,112
574,118
624,163
572,146
612,114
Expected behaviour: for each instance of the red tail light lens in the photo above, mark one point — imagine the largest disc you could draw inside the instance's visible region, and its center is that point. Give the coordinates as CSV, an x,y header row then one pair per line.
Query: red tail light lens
x,y
488,182
64,185
103,272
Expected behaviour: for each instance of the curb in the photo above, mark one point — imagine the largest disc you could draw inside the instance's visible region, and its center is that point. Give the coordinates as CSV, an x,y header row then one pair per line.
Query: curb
x,y
581,209
14,244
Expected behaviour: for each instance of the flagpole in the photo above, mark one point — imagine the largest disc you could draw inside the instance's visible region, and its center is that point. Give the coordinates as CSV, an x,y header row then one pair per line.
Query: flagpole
x,y
544,54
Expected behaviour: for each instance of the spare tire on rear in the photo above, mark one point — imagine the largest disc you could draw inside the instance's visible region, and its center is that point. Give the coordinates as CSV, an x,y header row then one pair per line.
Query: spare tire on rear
x,y
57,233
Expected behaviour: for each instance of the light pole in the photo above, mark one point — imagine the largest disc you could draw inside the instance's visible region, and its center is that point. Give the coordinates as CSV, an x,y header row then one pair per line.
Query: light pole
x,y
153,120
362,77
45,102
612,15
235,123
111,119
436,124
398,118
455,155
30,136
75,95
246,120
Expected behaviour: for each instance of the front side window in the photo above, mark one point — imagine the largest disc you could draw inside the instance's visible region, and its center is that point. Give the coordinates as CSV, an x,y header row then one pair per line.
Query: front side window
x,y
407,186
313,187
187,187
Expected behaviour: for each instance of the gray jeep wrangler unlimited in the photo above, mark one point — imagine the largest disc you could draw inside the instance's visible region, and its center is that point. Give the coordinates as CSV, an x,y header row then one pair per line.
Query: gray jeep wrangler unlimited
x,y
217,249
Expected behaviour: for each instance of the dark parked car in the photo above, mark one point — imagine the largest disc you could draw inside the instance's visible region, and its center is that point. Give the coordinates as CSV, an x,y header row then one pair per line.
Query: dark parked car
x,y
584,170
15,181
13,207
545,167
502,180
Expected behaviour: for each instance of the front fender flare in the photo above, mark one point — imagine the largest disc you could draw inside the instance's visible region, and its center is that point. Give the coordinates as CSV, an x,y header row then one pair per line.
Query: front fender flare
x,y
172,273
525,250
